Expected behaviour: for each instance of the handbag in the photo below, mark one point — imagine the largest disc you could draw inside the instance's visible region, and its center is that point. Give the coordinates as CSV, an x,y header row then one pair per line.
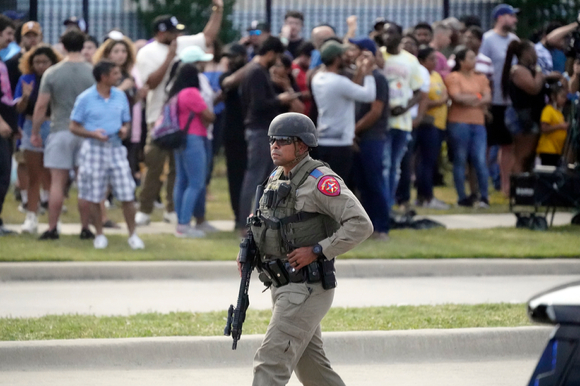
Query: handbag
x,y
166,132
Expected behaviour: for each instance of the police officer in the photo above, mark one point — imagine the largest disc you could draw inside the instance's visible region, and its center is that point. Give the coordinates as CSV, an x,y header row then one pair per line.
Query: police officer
x,y
308,217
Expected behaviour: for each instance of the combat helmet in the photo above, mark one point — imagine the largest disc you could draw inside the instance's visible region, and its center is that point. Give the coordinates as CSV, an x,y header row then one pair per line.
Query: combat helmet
x,y
294,125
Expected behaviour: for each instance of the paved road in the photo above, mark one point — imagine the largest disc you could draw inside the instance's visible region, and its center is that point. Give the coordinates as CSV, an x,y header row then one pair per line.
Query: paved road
x,y
504,373
36,298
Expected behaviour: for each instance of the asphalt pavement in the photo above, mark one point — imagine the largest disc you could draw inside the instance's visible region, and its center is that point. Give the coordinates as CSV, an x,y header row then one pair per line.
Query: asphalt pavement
x,y
120,297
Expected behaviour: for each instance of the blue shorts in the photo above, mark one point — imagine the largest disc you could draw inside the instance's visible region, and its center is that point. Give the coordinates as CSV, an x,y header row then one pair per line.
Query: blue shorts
x,y
27,132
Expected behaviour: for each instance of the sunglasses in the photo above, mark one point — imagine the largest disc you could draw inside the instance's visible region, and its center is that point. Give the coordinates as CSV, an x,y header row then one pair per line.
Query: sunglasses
x,y
282,141
255,32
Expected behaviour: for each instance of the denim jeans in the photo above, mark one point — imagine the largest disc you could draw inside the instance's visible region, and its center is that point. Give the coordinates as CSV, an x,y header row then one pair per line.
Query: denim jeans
x,y
428,140
395,148
403,191
191,170
199,208
368,164
468,141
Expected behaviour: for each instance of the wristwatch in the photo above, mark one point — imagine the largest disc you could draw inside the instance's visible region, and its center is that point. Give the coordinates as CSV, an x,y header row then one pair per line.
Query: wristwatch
x,y
317,250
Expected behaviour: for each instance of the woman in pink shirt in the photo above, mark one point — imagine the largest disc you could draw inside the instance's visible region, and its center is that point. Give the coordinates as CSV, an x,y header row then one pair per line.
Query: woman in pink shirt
x,y
191,159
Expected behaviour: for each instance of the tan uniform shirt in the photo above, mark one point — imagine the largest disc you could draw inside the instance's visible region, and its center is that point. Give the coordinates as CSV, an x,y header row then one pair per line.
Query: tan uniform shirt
x,y
320,194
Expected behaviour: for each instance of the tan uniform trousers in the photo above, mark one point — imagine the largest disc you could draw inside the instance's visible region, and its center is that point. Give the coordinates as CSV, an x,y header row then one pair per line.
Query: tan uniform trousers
x,y
155,161
293,341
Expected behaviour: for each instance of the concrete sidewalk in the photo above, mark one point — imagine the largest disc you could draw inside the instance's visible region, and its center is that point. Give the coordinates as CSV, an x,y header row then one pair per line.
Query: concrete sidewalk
x,y
453,221
365,347
38,298
226,270
505,372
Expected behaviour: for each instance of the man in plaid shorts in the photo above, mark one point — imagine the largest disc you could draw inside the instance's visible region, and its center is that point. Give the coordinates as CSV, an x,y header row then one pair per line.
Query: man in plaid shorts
x,y
101,115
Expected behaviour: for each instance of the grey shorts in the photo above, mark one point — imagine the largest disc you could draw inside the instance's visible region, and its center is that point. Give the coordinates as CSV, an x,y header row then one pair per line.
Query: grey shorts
x,y
61,150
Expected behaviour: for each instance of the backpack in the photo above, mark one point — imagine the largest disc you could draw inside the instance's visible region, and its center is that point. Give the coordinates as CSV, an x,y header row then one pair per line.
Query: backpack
x,y
166,133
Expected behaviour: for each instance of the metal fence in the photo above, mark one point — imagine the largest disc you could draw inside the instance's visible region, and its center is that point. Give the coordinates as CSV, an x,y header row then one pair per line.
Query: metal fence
x,y
107,14
103,16
334,12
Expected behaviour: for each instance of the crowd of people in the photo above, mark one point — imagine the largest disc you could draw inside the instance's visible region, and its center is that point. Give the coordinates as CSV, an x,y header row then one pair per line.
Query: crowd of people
x,y
383,103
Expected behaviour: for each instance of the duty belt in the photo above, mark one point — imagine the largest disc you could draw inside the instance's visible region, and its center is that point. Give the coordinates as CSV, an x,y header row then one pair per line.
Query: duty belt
x,y
279,273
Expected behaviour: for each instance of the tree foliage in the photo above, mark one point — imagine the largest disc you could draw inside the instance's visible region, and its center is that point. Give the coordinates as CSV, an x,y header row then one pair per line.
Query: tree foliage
x,y
194,14
536,14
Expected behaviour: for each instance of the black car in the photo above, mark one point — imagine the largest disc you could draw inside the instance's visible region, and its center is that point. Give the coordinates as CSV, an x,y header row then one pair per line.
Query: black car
x,y
559,365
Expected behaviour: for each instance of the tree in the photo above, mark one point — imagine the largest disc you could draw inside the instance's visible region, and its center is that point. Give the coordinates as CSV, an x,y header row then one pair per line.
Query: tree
x,y
194,14
536,14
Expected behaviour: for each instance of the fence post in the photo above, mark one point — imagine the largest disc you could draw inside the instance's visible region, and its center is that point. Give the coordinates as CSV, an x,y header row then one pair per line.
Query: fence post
x,y
33,11
445,9
86,14
269,12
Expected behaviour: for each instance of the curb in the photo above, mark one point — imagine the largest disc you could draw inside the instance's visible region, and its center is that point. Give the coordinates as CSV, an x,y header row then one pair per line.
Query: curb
x,y
213,270
412,346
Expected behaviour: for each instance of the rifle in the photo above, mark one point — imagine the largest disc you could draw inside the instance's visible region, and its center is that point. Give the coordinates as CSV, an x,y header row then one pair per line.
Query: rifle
x,y
248,256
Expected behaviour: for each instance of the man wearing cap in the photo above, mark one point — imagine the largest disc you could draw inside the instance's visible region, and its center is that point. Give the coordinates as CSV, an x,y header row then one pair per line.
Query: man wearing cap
x,y
30,36
494,46
75,22
258,32
371,133
335,97
154,63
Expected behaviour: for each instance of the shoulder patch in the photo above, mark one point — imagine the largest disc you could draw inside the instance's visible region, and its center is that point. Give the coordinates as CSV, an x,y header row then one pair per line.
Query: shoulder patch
x,y
329,186
273,173
316,174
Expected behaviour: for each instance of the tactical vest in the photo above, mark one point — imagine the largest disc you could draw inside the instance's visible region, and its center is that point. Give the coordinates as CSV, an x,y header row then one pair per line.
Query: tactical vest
x,y
283,228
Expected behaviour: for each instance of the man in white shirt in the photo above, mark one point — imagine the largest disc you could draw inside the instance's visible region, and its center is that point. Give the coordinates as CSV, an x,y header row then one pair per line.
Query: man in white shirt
x,y
335,96
154,62
403,72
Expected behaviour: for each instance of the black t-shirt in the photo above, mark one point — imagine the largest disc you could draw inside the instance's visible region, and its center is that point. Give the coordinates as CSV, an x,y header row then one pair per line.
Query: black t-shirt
x,y
293,47
259,98
378,131
233,128
13,70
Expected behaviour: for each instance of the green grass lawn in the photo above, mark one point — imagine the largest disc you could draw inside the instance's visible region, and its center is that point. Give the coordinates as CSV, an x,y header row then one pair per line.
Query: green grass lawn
x,y
218,204
212,323
404,244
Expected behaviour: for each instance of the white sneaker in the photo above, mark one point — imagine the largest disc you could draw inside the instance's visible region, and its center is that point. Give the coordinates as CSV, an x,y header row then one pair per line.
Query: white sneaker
x,y
170,217
436,204
100,242
206,227
30,224
185,231
135,242
142,219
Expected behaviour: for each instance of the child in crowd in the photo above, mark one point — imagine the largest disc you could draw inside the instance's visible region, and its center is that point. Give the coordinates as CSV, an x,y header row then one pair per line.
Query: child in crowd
x,y
554,127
